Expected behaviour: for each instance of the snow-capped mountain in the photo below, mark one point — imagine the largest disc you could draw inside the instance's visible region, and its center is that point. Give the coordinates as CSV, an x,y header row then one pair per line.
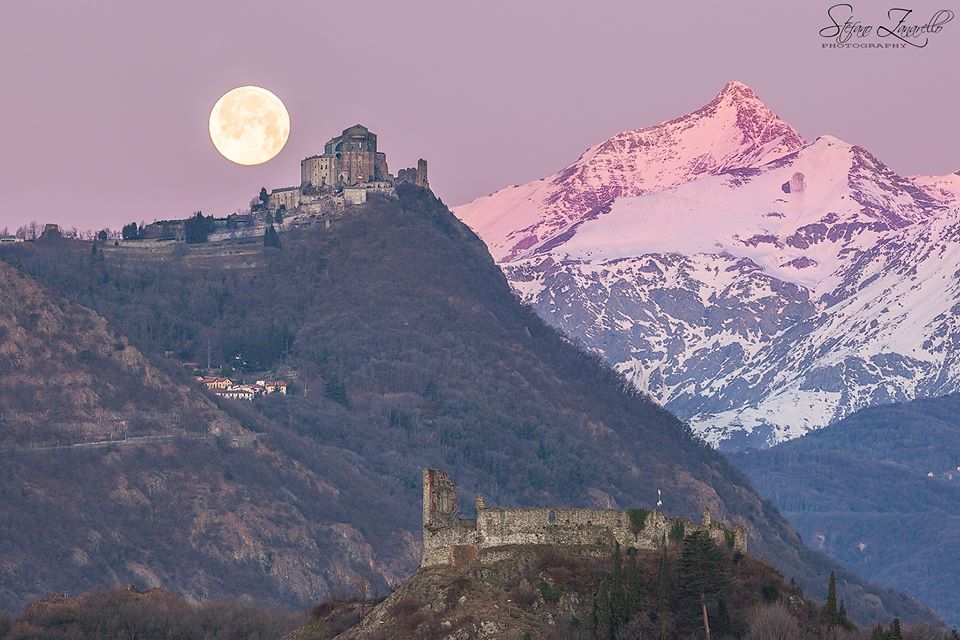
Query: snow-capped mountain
x,y
943,188
754,284
734,130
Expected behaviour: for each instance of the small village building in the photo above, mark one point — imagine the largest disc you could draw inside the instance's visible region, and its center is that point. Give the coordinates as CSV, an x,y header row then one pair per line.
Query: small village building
x,y
237,392
212,382
272,386
287,197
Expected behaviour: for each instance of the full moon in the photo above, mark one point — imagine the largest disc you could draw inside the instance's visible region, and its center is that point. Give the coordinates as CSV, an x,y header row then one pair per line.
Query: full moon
x,y
249,125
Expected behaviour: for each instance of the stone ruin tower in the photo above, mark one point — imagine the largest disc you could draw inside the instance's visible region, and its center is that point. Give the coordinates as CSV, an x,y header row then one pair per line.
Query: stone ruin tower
x,y
415,175
449,539
439,499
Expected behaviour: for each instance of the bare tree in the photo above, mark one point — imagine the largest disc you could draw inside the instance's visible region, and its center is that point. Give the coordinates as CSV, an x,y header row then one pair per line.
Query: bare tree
x,y
773,622
29,231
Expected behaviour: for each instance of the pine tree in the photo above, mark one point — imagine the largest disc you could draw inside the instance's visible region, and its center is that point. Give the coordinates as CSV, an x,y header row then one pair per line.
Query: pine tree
x,y
701,574
831,612
878,633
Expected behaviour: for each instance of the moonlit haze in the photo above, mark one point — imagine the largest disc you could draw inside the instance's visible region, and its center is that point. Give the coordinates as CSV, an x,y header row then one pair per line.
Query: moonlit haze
x,y
105,107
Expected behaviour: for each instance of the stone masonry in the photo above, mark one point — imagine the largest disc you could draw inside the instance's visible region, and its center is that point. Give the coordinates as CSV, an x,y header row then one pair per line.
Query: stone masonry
x,y
349,168
450,539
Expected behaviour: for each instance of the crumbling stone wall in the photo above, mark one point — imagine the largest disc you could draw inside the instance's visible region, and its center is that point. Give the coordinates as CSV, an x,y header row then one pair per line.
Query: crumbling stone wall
x,y
415,175
354,195
449,539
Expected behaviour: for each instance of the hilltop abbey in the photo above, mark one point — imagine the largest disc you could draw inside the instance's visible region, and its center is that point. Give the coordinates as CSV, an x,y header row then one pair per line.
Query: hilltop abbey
x,y
350,167
450,539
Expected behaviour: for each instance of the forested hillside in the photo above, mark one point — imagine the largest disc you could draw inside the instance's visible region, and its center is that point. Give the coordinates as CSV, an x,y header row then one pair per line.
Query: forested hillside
x,y
879,491
408,349
113,472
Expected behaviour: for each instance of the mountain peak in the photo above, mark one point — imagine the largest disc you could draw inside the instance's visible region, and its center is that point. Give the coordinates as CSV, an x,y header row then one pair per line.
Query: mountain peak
x,y
740,111
735,87
734,130
828,140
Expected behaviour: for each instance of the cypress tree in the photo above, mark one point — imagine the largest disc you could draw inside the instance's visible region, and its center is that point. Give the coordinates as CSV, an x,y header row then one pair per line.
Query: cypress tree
x,y
593,622
270,237
634,587
677,532
831,612
895,633
663,594
724,623
197,228
604,628
618,604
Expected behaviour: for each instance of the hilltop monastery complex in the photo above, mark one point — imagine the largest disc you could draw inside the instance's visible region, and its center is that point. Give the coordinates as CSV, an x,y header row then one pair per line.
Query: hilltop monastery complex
x,y
348,169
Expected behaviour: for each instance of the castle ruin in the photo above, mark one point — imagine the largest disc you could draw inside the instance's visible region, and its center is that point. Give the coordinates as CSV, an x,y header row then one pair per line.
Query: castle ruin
x,y
449,539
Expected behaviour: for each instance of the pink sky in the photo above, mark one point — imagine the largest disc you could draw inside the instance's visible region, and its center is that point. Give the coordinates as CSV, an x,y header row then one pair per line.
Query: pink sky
x,y
105,103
